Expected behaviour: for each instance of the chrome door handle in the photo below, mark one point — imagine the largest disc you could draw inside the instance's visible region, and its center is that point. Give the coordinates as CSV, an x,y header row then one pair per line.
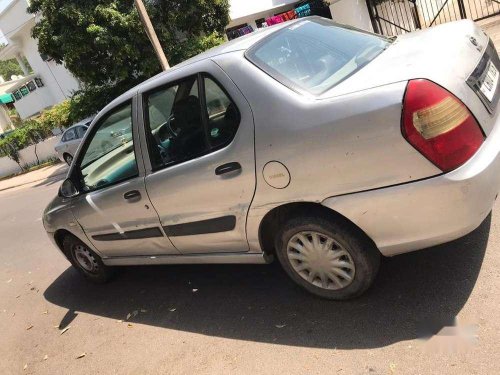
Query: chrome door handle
x,y
132,195
228,167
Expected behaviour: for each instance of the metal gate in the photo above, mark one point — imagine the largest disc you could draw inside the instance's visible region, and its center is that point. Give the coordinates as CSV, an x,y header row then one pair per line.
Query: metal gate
x,y
391,17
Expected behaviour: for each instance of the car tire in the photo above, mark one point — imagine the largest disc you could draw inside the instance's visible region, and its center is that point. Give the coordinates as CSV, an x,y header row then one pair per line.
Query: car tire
x,y
68,159
86,261
318,248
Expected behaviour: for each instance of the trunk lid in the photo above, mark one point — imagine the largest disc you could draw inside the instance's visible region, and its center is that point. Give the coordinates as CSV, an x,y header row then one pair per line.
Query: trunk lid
x,y
448,54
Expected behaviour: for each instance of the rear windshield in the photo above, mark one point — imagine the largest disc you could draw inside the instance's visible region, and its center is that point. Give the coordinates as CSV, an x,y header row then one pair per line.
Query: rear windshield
x,y
315,54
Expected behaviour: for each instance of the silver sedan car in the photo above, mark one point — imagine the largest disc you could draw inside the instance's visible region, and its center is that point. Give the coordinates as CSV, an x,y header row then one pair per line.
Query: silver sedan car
x,y
70,140
321,145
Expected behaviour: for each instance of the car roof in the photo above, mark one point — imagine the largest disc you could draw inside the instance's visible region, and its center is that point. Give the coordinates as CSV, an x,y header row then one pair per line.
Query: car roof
x,y
239,44
81,123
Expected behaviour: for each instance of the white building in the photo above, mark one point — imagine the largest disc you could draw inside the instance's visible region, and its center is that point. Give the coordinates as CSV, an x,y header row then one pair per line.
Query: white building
x,y
49,83
253,13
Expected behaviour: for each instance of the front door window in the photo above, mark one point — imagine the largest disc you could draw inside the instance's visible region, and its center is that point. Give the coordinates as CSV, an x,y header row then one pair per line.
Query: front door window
x,y
108,156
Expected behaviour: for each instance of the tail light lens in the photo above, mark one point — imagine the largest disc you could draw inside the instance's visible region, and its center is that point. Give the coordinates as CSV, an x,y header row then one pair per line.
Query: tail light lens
x,y
439,125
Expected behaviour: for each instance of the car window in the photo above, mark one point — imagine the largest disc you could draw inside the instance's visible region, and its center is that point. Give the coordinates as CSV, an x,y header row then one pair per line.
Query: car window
x,y
222,115
315,55
109,155
80,131
69,135
182,126
176,129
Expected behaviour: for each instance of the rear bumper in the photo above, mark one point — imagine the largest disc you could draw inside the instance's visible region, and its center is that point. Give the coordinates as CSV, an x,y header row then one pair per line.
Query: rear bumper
x,y
417,215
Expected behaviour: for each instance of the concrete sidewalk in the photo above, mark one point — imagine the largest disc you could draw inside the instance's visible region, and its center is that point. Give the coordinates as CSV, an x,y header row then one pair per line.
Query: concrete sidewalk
x,y
46,174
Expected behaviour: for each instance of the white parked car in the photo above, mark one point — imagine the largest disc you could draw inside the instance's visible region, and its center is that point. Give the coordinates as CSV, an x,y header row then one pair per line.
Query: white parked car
x,y
70,140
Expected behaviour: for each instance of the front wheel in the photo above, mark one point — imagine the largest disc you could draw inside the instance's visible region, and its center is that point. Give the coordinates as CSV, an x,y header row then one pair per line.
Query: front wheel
x,y
86,261
329,258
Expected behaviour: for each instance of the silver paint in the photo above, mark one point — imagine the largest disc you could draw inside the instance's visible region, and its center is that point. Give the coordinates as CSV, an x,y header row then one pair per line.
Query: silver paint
x,y
343,149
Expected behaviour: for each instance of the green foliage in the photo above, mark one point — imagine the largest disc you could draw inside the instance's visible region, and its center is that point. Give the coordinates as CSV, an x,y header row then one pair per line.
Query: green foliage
x,y
10,67
35,130
103,43
9,148
59,116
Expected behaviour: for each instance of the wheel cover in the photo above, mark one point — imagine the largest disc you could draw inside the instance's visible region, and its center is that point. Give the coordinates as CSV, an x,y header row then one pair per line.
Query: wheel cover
x,y
320,260
69,159
85,259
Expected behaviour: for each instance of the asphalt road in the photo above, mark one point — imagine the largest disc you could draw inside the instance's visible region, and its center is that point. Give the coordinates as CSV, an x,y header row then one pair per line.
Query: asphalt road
x,y
242,319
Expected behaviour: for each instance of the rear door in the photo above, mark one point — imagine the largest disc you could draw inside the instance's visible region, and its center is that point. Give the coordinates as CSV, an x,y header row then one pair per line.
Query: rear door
x,y
201,171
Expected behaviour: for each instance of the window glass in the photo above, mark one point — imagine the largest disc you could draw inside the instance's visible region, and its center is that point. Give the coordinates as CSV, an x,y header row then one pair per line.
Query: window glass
x,y
222,114
182,127
69,135
177,132
317,54
80,131
109,155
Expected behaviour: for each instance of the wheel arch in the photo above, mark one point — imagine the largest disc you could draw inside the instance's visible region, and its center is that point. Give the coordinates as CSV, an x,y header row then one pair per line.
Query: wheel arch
x,y
272,221
60,235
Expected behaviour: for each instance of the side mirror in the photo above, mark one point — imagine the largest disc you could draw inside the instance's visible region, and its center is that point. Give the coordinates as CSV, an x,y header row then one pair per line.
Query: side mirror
x,y
68,189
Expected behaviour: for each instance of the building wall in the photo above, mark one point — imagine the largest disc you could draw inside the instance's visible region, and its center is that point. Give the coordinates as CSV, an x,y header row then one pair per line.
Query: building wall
x,y
14,15
243,8
44,150
5,123
33,103
351,12
56,78
59,82
250,19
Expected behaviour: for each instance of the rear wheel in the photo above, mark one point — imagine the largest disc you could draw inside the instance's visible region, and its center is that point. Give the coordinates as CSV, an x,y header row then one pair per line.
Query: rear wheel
x,y
68,159
331,259
86,261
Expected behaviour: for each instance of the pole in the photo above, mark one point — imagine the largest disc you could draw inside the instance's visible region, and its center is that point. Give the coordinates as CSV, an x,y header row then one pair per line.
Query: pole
x,y
148,26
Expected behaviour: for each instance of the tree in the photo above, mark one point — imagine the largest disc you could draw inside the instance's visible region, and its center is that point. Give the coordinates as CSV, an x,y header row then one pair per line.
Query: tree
x,y
10,67
103,43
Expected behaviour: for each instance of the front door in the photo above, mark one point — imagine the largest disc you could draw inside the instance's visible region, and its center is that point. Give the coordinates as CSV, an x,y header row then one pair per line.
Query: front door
x,y
200,136
113,208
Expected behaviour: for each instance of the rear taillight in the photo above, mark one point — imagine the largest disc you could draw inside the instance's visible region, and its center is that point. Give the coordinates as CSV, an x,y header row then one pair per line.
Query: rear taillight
x,y
439,125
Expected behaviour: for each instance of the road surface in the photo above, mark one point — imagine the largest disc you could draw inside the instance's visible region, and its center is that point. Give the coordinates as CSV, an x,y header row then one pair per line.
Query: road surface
x,y
240,319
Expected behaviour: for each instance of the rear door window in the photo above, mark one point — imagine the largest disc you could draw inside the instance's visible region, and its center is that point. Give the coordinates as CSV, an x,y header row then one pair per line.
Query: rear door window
x,y
80,131
182,124
315,55
69,135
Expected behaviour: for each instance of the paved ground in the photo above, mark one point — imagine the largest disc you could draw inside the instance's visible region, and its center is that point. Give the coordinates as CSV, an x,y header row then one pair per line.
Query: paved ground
x,y
51,173
242,319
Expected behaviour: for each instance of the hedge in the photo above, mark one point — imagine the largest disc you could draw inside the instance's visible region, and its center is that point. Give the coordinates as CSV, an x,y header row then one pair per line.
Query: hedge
x,y
35,130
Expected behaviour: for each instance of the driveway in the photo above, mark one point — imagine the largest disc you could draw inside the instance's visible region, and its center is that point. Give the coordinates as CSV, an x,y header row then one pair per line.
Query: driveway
x,y
238,319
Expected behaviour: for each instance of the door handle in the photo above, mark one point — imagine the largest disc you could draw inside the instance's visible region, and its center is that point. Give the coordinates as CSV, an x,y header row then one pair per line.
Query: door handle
x,y
132,195
228,167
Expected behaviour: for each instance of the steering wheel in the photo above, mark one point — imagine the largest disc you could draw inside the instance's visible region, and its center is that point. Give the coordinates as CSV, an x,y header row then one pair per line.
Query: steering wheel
x,y
165,131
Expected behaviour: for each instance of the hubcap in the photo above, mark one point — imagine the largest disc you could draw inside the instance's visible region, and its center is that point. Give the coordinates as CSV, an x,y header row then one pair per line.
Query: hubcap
x,y
69,159
320,260
85,259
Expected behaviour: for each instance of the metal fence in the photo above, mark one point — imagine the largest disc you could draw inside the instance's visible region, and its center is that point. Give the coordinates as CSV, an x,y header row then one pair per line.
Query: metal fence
x,y
391,17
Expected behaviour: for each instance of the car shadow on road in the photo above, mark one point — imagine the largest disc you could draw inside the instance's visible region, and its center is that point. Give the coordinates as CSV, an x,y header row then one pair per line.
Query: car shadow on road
x,y
259,303
54,177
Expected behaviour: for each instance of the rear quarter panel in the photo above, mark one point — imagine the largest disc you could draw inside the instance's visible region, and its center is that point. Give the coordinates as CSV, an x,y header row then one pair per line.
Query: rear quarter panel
x,y
331,147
